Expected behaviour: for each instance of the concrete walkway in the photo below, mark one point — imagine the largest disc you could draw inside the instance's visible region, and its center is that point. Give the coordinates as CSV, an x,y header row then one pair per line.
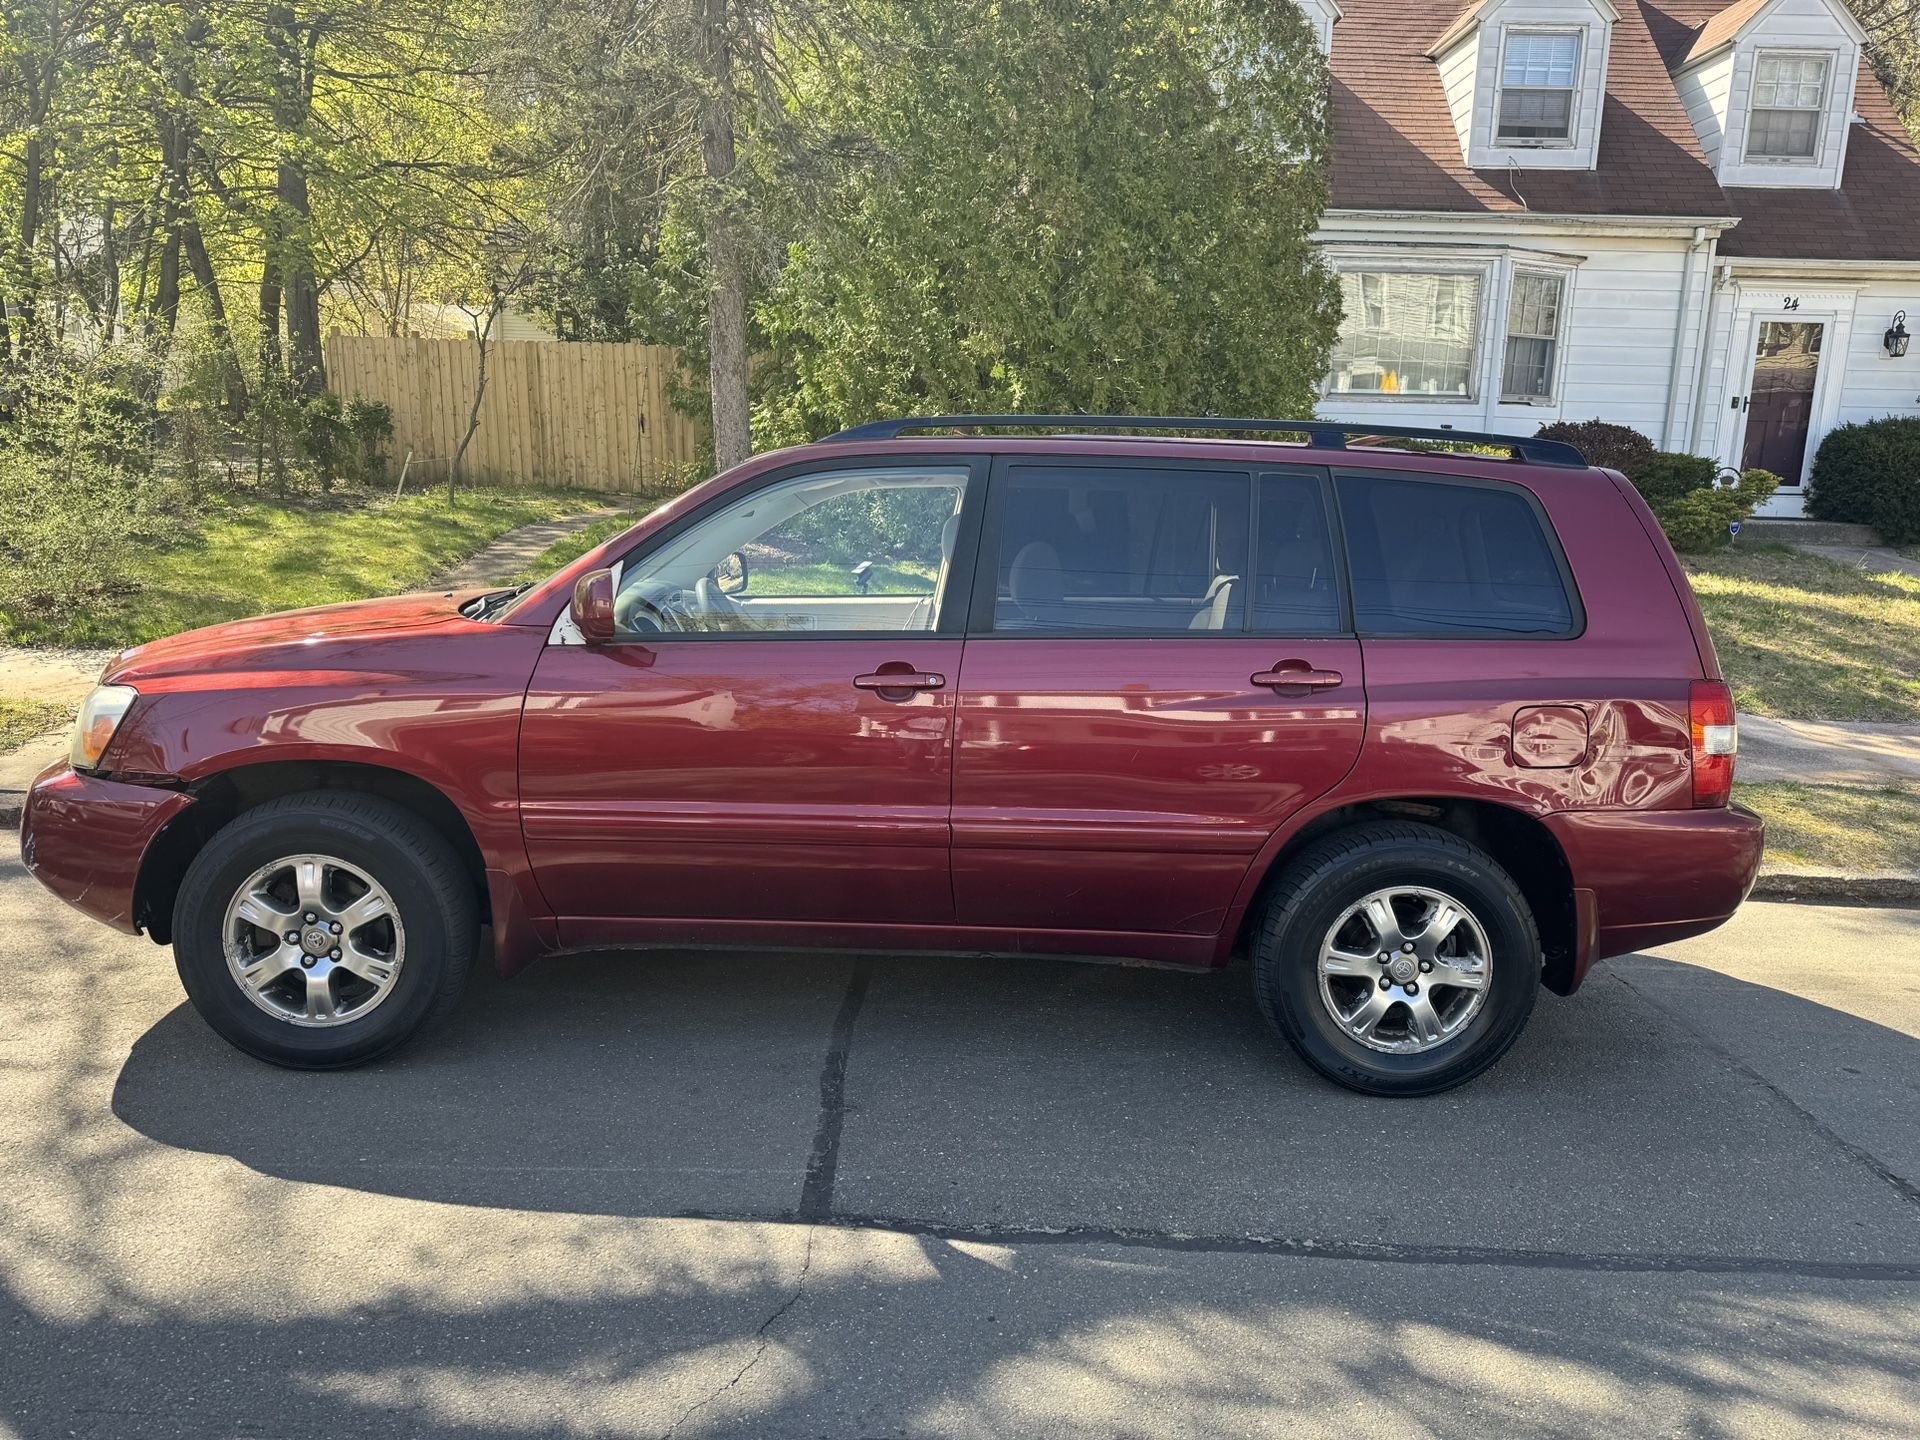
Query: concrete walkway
x,y
514,551
1876,559
1817,752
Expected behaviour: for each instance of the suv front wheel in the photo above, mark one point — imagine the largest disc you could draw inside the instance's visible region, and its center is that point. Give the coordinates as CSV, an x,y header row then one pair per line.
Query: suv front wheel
x,y
1397,958
322,930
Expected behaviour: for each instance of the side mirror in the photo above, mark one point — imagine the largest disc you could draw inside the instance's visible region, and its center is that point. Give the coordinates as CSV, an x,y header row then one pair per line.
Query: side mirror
x,y
592,608
730,575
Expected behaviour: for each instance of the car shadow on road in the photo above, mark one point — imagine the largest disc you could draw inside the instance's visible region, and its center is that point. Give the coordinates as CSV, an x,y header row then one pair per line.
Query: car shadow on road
x,y
1043,1095
1457,1256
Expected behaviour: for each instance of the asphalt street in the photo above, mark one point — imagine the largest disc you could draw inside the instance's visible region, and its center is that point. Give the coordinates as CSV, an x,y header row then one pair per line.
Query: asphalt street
x,y
784,1196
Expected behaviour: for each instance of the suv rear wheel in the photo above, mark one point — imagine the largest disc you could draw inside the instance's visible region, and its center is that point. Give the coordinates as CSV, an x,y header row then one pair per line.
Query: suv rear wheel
x,y
320,931
1397,959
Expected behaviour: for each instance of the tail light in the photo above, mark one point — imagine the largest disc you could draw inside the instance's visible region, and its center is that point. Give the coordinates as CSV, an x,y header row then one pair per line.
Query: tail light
x,y
1716,740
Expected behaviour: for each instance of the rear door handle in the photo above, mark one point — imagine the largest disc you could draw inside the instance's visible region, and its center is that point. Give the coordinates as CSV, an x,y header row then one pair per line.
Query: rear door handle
x,y
900,680
1297,674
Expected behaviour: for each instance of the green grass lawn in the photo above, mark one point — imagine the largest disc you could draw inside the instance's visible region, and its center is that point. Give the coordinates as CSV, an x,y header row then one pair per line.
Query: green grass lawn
x,y
261,556
903,577
1802,637
1839,827
23,720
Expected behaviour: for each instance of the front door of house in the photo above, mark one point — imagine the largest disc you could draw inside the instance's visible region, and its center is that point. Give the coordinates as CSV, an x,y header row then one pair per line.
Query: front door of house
x,y
1786,368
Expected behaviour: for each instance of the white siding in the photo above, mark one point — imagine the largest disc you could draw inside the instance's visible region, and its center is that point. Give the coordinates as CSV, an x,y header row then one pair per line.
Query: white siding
x,y
1457,69
1706,90
1617,357
1595,38
1874,385
1322,16
1719,94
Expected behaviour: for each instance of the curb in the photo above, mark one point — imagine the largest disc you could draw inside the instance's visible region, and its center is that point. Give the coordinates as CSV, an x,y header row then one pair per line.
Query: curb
x,y
1901,891
12,806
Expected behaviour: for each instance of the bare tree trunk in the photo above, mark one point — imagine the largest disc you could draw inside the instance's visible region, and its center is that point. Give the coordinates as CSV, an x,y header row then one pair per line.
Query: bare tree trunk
x,y
727,293
292,242
482,337
208,284
269,316
166,298
27,237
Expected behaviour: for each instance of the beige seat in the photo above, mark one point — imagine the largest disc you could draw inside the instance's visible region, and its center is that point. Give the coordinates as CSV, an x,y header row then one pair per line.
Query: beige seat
x,y
1218,604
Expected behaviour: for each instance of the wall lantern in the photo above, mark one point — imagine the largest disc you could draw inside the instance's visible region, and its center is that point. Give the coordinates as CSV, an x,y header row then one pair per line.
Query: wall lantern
x,y
1897,337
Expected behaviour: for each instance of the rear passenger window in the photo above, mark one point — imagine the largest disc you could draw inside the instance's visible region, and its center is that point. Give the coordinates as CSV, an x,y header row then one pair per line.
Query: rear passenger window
x,y
1295,588
1429,557
1089,548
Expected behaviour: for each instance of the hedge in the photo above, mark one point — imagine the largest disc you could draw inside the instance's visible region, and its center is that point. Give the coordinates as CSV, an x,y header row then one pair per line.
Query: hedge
x,y
1869,474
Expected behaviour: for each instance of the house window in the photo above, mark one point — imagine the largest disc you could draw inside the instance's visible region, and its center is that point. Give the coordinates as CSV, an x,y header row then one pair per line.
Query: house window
x,y
1406,333
1537,83
1533,336
1789,96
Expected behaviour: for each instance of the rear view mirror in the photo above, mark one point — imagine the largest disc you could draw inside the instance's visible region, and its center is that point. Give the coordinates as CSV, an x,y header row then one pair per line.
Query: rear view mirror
x,y
730,575
592,608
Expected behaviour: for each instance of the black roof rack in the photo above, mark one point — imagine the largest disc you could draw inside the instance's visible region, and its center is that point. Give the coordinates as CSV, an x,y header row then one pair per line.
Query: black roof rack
x,y
1321,434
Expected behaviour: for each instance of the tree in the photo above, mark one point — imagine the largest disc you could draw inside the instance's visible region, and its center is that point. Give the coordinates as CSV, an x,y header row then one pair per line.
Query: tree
x,y
671,114
1065,205
1893,41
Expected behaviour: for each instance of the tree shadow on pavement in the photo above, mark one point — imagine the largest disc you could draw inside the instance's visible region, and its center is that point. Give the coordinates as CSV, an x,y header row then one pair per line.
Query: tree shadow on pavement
x,y
1622,1228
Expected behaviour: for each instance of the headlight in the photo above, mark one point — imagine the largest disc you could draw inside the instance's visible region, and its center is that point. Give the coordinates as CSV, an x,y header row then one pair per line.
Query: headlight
x,y
100,715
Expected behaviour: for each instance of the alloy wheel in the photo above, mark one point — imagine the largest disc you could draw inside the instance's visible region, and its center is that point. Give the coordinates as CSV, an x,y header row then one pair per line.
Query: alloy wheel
x,y
1405,969
313,940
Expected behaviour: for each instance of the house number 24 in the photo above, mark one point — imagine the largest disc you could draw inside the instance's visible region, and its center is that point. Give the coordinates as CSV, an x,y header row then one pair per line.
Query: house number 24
x,y
1790,302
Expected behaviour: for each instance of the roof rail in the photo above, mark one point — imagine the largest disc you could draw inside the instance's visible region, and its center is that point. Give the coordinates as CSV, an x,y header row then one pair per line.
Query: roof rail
x,y
1321,434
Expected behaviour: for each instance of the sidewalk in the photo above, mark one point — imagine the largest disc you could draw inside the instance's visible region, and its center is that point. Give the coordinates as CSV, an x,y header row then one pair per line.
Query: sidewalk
x,y
514,551
1874,558
1820,752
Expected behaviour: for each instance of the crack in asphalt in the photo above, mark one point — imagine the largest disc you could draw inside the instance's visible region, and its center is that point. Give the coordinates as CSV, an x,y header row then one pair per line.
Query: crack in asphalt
x,y
1905,1188
816,1187
761,1335
823,1162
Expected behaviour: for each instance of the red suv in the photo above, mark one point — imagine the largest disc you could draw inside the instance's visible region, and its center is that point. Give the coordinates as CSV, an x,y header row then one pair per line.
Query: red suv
x,y
1418,732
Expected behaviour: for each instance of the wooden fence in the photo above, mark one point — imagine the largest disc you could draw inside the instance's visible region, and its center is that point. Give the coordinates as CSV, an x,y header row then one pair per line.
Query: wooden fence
x,y
555,412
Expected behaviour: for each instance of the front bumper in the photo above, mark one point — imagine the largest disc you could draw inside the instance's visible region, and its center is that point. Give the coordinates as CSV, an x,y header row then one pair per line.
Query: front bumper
x,y
85,839
1656,876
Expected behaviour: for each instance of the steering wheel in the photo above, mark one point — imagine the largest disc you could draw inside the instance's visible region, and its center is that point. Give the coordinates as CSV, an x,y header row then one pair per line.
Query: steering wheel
x,y
707,600
657,608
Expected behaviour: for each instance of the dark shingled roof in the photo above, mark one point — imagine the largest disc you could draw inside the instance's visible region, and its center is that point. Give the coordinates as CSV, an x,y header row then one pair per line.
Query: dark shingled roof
x,y
1395,147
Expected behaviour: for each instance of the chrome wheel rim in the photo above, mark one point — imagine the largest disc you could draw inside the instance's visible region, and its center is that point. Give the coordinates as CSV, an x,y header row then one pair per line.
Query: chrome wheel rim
x,y
313,940
1405,969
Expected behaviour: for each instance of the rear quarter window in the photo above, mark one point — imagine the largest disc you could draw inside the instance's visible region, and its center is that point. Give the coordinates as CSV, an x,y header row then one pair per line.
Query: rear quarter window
x,y
1440,557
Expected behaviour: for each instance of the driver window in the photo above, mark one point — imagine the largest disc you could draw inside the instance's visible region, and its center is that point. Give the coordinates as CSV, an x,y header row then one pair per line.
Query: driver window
x,y
853,550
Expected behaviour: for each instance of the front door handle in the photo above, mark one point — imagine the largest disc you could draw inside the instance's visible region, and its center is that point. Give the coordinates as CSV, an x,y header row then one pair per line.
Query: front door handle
x,y
1297,674
900,680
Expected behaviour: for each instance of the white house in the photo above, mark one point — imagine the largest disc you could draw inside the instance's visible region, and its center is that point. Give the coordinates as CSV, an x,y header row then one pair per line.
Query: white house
x,y
1697,219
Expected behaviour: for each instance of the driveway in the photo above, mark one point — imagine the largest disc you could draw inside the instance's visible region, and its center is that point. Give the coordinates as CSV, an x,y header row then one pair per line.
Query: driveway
x,y
772,1196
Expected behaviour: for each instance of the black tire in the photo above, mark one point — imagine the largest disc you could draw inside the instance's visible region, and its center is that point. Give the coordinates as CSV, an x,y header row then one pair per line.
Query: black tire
x,y
1334,874
430,890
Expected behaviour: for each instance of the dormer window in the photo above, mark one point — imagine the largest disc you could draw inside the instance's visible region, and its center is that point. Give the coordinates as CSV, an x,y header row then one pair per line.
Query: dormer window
x,y
1789,97
1539,78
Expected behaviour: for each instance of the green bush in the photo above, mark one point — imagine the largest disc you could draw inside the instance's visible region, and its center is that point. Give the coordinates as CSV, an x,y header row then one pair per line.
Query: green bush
x,y
1700,519
1610,446
370,426
1869,474
1667,477
321,430
1757,487
75,476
